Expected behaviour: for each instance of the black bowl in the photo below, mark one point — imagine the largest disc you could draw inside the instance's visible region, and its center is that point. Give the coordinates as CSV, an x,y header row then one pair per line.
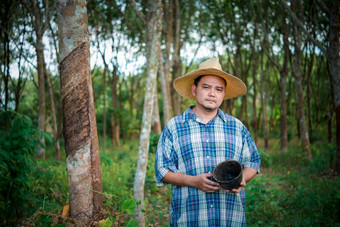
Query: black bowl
x,y
228,174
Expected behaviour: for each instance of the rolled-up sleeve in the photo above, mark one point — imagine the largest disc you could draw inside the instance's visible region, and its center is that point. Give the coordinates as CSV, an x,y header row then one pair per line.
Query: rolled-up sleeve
x,y
166,158
251,157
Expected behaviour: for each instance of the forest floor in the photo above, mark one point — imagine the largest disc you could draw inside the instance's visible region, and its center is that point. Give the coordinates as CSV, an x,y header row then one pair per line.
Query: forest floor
x,y
290,190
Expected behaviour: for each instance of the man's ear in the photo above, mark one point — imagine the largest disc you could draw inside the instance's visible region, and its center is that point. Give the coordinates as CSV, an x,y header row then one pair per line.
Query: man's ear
x,y
193,90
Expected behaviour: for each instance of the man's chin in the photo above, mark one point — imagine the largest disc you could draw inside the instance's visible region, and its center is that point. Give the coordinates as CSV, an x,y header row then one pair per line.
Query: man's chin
x,y
209,108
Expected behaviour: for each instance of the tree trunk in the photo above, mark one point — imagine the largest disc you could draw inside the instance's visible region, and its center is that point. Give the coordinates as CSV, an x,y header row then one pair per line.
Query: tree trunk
x,y
298,83
263,108
104,111
254,119
283,83
41,82
155,116
80,129
176,98
114,114
54,118
154,26
334,60
164,79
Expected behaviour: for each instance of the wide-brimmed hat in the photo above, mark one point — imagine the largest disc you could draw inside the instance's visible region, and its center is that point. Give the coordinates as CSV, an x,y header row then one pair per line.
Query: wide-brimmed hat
x,y
234,88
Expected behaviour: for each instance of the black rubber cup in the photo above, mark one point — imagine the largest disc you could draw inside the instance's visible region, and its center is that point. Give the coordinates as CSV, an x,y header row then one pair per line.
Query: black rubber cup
x,y
228,174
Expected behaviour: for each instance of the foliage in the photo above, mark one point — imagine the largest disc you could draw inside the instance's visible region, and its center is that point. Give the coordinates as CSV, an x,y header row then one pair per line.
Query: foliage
x,y
153,143
266,159
18,140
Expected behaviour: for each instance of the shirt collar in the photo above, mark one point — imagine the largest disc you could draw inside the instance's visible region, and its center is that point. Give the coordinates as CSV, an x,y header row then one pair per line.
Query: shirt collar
x,y
190,115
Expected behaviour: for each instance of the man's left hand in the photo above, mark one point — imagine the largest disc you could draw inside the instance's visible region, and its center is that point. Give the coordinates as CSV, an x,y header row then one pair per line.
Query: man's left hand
x,y
237,190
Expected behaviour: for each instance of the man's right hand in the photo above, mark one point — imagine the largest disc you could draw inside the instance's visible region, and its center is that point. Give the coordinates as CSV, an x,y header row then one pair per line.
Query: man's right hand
x,y
203,183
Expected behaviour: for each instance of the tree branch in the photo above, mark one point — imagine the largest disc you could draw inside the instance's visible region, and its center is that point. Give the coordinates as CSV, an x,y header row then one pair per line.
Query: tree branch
x,y
323,6
138,11
299,24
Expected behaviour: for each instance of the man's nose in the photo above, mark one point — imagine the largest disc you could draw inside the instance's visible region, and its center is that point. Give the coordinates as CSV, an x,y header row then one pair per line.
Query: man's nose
x,y
211,93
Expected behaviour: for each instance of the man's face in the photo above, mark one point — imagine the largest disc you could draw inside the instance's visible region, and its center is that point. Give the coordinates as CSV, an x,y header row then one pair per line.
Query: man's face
x,y
209,92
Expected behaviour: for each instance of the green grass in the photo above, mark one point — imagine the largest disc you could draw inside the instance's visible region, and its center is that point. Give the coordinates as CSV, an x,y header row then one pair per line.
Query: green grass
x,y
289,191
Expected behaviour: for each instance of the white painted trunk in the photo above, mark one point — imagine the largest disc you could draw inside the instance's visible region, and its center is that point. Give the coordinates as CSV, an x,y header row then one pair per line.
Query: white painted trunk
x,y
153,46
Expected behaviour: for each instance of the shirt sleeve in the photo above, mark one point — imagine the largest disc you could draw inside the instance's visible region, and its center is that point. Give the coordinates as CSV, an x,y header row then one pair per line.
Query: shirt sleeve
x,y
251,156
166,158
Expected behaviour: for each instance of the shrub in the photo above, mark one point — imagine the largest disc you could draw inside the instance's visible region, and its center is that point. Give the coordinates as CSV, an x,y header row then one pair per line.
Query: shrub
x,y
18,141
266,159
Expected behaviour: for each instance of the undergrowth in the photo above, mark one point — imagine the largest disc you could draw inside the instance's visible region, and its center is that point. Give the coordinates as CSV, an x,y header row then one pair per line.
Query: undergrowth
x,y
291,190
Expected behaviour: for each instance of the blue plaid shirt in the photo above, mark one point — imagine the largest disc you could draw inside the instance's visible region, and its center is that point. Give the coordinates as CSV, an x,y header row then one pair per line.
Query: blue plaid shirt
x,y
189,146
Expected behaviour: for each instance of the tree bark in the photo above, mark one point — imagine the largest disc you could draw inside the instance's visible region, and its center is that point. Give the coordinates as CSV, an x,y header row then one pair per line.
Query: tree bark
x,y
80,129
114,114
155,116
164,79
154,27
42,101
254,119
40,22
54,118
263,104
176,98
104,111
283,82
298,83
334,60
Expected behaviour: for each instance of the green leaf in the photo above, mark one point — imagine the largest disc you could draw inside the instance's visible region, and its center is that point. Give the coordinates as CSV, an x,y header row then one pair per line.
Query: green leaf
x,y
132,223
105,223
129,206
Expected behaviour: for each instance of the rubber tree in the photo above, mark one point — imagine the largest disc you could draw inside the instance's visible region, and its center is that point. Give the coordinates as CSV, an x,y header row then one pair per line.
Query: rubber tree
x,y
79,120
153,24
39,12
331,48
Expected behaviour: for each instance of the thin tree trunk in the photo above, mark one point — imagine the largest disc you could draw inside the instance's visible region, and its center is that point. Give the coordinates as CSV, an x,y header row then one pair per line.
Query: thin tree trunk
x,y
176,98
41,82
104,111
154,28
54,119
298,83
164,79
263,104
309,72
114,114
283,83
177,63
80,129
155,116
254,119
334,60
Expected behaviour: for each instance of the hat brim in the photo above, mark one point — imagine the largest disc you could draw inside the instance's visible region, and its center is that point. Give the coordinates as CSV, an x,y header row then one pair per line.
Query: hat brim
x,y
235,87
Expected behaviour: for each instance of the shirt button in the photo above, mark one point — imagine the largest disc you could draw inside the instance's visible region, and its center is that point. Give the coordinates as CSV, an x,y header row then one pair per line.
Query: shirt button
x,y
209,172
207,141
208,157
211,205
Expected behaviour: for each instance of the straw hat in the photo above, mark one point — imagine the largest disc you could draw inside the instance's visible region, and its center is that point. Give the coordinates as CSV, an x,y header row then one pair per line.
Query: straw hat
x,y
235,87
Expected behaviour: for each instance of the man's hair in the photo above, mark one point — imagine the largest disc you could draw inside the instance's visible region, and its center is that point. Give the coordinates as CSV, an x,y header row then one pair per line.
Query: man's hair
x,y
198,79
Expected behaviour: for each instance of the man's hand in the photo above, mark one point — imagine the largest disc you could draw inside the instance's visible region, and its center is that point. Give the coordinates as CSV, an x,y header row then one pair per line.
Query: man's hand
x,y
238,190
203,183
247,174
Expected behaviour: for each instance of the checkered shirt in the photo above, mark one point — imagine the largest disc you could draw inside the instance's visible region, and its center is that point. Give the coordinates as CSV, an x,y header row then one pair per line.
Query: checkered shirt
x,y
189,146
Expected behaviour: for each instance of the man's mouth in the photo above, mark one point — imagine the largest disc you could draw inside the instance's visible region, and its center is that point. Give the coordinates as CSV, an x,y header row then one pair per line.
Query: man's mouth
x,y
211,100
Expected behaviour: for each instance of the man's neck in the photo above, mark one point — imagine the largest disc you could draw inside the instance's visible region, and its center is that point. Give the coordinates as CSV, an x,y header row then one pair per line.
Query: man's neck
x,y
203,114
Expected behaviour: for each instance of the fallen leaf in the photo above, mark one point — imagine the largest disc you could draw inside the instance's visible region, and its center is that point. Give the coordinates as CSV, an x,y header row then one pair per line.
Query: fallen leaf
x,y
66,209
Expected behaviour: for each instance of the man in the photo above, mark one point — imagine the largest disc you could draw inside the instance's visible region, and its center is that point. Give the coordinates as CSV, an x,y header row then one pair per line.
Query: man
x,y
194,142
